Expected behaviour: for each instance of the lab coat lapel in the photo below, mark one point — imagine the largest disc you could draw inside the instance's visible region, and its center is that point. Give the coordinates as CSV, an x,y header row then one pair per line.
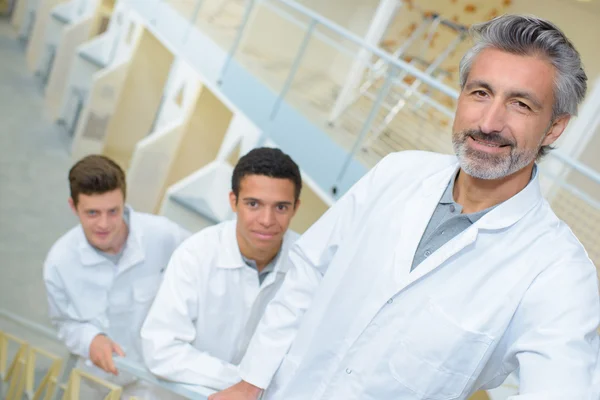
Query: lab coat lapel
x,y
134,252
230,256
501,217
445,252
417,212
282,265
404,222
87,254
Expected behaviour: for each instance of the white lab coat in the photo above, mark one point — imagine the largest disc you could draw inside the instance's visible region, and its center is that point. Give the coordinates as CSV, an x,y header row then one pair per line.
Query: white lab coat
x,y
207,309
88,294
514,290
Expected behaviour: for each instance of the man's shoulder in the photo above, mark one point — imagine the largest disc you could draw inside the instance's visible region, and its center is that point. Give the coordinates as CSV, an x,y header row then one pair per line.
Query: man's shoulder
x,y
211,236
157,227
291,236
568,243
415,162
202,251
152,220
554,239
419,158
289,239
66,247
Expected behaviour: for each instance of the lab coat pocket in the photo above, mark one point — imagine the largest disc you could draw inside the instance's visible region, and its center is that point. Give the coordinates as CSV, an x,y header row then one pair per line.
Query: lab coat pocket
x,y
87,309
435,357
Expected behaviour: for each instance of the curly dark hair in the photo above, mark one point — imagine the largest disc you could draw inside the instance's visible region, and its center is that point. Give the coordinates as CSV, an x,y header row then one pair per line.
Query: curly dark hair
x,y
269,162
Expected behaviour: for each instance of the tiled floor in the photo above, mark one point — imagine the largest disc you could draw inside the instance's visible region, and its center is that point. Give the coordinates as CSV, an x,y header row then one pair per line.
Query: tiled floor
x,y
34,161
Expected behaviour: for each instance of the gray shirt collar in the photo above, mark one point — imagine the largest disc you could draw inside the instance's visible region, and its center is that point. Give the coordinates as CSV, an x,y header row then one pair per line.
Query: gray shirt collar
x,y
448,198
270,267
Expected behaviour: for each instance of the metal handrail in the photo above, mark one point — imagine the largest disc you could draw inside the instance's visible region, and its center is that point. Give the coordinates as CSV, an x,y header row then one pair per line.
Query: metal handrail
x,y
123,364
436,84
576,165
315,19
427,79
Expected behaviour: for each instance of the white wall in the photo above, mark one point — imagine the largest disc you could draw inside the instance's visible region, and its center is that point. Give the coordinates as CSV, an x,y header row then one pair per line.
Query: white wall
x,y
180,93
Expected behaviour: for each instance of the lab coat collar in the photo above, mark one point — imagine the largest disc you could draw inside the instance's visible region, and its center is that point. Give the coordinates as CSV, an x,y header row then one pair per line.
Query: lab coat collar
x,y
504,214
515,208
231,257
133,253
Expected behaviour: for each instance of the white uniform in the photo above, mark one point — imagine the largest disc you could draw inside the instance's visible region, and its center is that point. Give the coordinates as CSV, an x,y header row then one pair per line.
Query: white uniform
x,y
88,294
514,290
207,309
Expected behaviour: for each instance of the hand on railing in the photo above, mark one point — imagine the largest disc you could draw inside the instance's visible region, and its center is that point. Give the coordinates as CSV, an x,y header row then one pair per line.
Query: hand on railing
x,y
102,349
240,391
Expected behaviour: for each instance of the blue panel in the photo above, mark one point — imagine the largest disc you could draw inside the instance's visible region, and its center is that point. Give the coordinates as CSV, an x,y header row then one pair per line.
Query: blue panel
x,y
320,157
318,154
251,96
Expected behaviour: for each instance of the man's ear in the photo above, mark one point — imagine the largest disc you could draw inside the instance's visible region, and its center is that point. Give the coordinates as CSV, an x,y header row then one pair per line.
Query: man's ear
x,y
233,201
296,207
556,129
72,206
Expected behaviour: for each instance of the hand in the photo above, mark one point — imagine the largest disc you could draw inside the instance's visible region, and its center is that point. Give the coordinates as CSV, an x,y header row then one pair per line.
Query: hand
x,y
101,353
239,391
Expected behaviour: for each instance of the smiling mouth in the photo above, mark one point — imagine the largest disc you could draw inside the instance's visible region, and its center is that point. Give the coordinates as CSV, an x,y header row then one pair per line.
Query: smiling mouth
x,y
489,144
264,235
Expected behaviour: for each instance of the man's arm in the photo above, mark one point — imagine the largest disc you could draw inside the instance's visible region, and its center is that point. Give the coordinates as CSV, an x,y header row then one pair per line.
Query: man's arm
x,y
555,335
82,338
309,258
77,335
169,330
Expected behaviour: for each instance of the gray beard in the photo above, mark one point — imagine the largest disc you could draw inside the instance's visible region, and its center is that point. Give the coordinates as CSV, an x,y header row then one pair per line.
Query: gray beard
x,y
484,166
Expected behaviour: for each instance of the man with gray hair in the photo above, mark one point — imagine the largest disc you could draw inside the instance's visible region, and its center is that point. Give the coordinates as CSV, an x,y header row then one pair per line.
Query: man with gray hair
x,y
436,276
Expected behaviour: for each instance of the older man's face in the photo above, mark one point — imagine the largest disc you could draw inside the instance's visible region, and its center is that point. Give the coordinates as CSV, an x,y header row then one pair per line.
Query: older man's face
x,y
504,114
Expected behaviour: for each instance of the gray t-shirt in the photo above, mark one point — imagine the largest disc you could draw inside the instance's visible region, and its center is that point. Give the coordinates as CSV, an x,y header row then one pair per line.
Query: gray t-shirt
x,y
270,267
446,222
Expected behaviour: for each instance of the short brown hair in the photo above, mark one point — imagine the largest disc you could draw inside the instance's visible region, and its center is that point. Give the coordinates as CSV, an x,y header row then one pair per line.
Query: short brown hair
x,y
95,174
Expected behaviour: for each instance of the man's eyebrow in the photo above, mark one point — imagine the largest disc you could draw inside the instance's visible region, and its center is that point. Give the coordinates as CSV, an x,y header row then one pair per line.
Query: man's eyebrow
x,y
479,83
528,96
516,93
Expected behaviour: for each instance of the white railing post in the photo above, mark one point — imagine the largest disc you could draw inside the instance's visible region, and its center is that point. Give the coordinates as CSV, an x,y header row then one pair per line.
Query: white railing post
x,y
385,13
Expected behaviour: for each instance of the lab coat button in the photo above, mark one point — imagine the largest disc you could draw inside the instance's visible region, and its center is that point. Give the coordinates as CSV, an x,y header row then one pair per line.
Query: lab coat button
x,y
348,371
390,301
427,253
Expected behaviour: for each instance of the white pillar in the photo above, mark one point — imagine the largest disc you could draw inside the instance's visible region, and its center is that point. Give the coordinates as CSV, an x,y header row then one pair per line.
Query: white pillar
x,y
385,13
